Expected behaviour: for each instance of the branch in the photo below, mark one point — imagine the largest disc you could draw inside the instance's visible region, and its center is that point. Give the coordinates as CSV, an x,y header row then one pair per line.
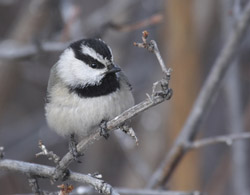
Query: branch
x,y
87,190
203,102
156,98
11,50
50,154
154,19
223,139
1,152
47,172
153,192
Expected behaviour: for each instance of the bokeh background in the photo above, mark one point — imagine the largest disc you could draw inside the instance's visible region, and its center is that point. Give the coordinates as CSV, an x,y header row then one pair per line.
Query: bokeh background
x,y
190,35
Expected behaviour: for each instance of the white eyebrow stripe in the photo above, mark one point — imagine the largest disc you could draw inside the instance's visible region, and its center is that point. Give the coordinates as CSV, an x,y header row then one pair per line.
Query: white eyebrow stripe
x,y
108,47
89,51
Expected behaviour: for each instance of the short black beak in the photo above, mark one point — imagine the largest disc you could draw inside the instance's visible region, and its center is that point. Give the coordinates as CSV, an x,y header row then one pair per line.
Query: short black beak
x,y
113,69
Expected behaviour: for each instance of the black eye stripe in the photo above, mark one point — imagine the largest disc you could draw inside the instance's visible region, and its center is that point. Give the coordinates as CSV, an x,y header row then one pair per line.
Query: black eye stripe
x,y
98,65
89,60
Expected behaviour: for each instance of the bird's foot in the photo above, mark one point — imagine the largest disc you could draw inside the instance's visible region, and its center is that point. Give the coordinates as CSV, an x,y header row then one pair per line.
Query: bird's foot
x,y
103,129
73,148
66,175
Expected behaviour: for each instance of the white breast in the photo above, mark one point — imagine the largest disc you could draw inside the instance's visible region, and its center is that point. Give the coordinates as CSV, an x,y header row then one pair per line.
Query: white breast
x,y
68,113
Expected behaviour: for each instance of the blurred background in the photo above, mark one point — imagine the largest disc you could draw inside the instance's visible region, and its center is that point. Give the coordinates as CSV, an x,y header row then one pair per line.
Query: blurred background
x,y
190,35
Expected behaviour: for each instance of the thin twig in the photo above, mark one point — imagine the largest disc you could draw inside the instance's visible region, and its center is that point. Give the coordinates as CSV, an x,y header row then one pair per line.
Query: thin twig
x,y
50,154
105,14
152,47
223,139
154,19
203,102
164,94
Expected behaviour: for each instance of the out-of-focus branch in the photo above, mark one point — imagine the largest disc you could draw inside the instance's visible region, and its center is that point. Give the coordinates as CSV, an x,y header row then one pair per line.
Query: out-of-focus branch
x,y
223,139
233,93
11,50
127,191
1,152
154,19
47,172
203,102
157,97
105,14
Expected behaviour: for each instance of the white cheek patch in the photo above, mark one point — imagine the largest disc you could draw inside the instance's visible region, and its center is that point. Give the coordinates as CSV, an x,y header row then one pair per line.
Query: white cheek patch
x,y
89,51
75,72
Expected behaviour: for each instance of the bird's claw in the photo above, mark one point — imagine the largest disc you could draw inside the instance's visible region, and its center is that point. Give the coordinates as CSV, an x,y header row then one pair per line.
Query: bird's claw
x,y
103,129
73,149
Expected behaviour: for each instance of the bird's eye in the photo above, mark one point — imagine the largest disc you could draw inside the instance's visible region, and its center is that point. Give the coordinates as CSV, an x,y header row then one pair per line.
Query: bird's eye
x,y
93,65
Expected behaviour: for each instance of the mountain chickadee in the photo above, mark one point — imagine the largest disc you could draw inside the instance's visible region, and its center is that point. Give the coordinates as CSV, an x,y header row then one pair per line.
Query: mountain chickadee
x,y
85,88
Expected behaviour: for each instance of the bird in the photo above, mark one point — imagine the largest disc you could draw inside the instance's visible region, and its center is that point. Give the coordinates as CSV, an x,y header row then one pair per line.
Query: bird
x,y
85,89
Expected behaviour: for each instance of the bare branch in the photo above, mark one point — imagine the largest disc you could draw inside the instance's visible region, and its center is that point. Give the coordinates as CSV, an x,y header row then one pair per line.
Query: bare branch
x,y
50,154
203,102
233,92
154,19
107,13
47,172
152,47
153,192
224,139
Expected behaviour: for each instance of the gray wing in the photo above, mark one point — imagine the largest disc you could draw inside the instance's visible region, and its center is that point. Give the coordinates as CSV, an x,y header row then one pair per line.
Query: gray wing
x,y
125,79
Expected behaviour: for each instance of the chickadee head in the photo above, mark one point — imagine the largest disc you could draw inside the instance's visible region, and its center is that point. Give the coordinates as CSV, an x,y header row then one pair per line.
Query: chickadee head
x,y
86,62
